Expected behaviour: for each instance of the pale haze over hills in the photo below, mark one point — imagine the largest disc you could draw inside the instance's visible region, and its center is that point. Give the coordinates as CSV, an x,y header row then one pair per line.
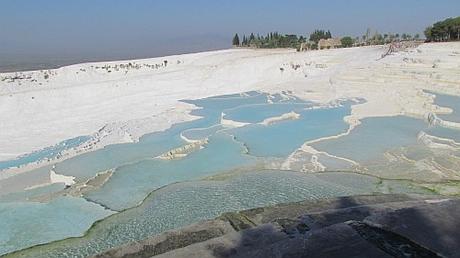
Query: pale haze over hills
x,y
55,33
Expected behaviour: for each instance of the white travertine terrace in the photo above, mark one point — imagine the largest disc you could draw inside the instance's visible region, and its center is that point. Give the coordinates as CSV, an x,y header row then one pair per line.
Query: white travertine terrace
x,y
122,100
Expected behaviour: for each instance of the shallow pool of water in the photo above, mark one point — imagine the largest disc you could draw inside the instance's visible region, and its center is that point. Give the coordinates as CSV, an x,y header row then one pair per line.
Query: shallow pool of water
x,y
151,145
46,153
373,137
449,101
155,194
185,203
259,112
442,132
34,177
196,134
40,192
130,184
24,224
281,139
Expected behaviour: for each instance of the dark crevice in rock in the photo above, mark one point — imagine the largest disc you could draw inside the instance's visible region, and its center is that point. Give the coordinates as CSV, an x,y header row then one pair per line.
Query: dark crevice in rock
x,y
238,221
390,242
180,241
292,227
172,242
252,212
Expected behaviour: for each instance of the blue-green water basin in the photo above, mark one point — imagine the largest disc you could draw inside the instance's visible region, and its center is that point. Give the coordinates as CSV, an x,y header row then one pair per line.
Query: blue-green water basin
x,y
188,202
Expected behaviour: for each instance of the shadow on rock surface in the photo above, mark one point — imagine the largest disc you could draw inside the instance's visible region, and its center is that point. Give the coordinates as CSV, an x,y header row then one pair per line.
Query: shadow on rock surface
x,y
351,229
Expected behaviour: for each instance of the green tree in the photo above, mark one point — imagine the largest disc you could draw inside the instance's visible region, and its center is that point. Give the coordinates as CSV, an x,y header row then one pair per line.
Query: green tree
x,y
347,41
236,40
244,43
320,34
428,34
446,30
385,38
377,39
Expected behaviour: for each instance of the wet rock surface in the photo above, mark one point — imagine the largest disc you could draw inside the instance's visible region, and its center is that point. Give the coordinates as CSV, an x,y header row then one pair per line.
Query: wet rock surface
x,y
360,226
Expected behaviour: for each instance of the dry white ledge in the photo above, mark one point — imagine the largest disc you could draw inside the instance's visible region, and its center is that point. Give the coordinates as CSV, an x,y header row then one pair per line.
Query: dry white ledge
x,y
79,100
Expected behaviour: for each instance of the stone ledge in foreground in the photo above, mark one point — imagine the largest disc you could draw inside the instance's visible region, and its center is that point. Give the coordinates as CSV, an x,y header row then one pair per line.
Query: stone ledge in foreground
x,y
359,226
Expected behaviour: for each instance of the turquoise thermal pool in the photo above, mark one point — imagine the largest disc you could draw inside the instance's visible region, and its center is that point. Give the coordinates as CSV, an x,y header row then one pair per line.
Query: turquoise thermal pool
x,y
226,160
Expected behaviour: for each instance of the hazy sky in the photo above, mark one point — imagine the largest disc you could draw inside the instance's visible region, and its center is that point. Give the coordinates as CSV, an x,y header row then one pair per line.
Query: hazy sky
x,y
44,29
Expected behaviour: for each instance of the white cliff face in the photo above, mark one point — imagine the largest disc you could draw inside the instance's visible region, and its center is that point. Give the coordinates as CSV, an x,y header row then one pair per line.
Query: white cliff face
x,y
57,178
183,151
288,116
131,98
433,119
437,142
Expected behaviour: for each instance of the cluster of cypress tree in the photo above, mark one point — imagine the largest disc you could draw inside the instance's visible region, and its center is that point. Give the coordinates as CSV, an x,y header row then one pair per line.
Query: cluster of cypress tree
x,y
447,30
271,40
277,40
320,34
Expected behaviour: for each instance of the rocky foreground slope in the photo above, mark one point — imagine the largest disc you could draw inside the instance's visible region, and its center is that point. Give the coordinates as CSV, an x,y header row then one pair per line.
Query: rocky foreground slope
x,y
361,226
